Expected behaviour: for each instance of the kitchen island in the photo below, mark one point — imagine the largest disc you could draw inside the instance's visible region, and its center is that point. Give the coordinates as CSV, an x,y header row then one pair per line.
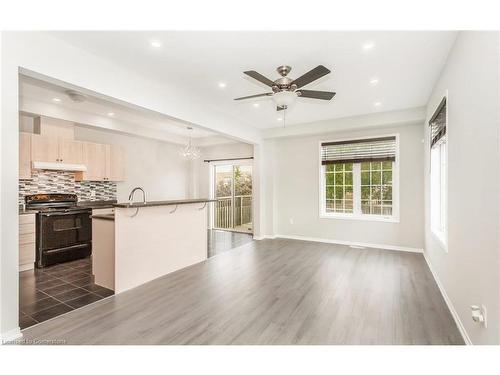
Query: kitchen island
x,y
145,241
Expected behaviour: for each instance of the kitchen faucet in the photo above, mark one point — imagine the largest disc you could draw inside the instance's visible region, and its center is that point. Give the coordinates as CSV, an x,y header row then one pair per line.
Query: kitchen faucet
x,y
131,196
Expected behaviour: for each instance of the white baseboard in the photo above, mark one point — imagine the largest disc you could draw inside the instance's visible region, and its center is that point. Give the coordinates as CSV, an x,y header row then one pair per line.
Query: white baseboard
x,y
264,237
11,335
447,299
349,243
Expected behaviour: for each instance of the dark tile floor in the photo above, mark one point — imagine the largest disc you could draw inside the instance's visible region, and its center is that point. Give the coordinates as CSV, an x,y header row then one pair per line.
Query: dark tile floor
x,y
220,241
52,291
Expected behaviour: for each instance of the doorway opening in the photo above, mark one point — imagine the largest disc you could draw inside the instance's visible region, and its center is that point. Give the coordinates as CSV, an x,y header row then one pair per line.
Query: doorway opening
x,y
232,190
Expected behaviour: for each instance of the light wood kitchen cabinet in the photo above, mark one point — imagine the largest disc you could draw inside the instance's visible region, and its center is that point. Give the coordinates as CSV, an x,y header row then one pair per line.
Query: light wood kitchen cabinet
x,y
24,155
44,148
54,128
104,163
115,163
26,242
70,152
94,157
51,149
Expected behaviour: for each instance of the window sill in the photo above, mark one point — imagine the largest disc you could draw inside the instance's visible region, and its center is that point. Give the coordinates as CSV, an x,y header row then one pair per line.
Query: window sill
x,y
439,237
385,219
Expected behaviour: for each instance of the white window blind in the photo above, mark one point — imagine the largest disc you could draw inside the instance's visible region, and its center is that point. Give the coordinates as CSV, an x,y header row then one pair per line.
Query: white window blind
x,y
359,151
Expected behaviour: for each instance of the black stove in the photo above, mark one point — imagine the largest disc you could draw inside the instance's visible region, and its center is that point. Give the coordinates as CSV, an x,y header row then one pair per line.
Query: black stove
x,y
63,230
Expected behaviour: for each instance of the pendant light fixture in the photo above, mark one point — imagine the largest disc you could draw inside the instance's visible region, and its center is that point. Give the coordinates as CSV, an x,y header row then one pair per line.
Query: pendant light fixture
x,y
190,152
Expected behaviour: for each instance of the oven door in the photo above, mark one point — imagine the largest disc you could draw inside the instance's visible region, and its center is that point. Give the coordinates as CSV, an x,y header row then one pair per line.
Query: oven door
x,y
64,229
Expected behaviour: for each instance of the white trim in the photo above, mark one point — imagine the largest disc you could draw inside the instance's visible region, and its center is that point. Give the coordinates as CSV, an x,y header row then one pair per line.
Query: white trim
x,y
340,216
447,299
10,336
265,237
442,239
351,243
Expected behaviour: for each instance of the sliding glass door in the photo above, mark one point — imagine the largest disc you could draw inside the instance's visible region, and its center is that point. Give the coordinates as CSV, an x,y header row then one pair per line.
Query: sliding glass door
x,y
233,194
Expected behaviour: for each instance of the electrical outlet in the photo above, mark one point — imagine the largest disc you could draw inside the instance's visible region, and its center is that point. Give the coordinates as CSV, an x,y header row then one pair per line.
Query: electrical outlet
x,y
479,314
291,220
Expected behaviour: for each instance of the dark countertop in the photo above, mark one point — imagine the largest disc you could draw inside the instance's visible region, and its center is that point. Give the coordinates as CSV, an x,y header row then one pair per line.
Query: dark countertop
x,y
162,203
85,204
104,217
97,204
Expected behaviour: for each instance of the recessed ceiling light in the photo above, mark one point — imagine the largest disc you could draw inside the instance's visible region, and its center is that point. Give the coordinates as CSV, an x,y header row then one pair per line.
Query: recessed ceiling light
x,y
368,45
256,105
377,104
155,44
57,100
279,119
111,114
222,85
374,81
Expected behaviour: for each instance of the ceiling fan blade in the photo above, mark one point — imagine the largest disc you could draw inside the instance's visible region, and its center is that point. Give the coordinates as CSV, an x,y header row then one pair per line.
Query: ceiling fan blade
x,y
313,94
255,96
311,75
259,77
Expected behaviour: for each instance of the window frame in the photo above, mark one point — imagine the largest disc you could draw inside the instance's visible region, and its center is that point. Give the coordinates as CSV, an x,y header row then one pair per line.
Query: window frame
x,y
357,215
441,236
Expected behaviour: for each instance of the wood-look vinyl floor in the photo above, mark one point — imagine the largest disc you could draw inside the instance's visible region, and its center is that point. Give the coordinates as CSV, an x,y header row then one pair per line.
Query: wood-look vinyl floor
x,y
272,292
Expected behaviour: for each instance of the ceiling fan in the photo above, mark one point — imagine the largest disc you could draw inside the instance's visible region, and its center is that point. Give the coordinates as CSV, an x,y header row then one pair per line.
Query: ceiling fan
x,y
285,89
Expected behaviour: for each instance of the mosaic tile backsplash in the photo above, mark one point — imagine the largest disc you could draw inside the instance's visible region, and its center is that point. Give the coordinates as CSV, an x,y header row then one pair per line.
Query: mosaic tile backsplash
x,y
64,182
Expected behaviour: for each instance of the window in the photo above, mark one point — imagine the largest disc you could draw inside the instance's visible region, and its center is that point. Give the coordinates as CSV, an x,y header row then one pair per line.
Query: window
x,y
357,179
376,188
438,167
338,182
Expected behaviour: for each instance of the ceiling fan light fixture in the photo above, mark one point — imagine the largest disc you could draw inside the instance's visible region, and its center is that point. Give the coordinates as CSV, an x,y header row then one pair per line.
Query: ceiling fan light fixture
x,y
284,98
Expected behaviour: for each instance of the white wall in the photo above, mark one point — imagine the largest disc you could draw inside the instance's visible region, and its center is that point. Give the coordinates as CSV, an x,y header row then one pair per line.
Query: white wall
x,y
469,270
296,191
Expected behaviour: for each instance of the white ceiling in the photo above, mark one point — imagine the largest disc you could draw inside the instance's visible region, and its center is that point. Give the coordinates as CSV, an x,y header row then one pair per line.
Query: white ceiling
x,y
407,65
44,92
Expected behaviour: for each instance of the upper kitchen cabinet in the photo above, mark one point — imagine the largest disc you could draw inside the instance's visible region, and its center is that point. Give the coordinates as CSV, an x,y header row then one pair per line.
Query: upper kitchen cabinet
x,y
54,128
94,157
56,150
24,155
44,148
115,163
70,151
104,163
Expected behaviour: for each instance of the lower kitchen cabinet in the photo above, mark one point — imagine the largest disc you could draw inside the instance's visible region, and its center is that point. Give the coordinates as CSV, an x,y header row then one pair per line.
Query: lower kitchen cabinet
x,y
26,242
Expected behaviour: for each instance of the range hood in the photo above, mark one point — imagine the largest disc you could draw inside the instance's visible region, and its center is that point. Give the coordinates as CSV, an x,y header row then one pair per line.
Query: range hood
x,y
59,166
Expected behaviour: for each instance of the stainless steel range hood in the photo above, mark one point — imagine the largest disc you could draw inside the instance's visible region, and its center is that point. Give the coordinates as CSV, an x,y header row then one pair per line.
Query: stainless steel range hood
x,y
59,166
